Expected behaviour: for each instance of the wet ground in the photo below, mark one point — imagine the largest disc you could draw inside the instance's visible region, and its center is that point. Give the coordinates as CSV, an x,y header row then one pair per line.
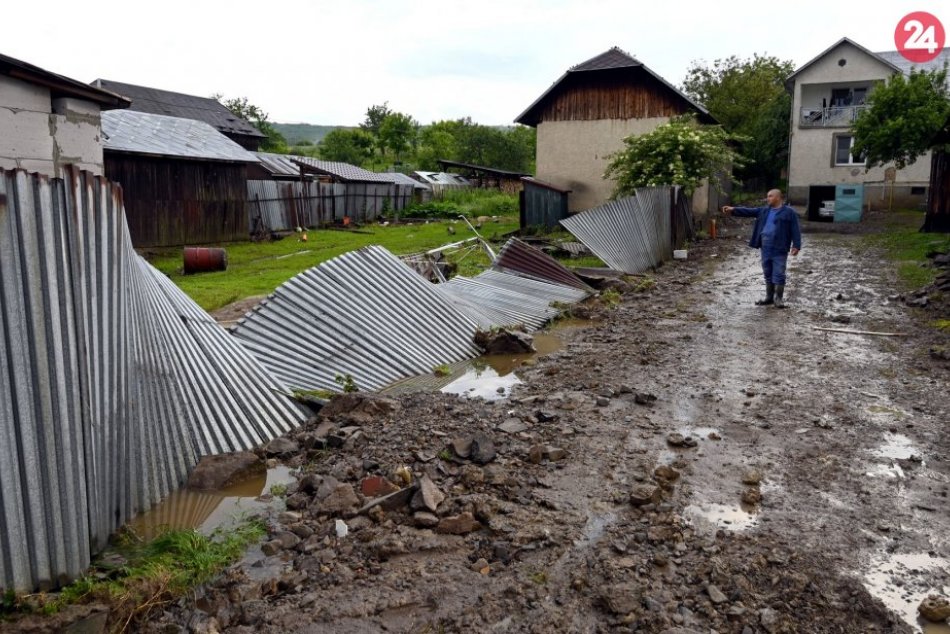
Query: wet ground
x,y
688,463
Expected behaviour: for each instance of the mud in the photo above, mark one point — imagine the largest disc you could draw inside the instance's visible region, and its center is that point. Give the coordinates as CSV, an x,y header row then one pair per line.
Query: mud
x,y
593,518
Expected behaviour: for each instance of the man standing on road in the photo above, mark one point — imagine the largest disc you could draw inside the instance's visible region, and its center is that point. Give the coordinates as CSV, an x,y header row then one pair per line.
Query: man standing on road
x,y
777,234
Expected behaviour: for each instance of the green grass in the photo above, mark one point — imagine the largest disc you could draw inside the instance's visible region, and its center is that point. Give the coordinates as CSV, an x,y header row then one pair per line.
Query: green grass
x,y
157,572
257,268
907,248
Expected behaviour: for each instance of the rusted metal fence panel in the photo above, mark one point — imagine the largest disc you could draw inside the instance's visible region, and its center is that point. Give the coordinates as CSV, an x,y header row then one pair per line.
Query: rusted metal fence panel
x,y
630,234
112,381
520,258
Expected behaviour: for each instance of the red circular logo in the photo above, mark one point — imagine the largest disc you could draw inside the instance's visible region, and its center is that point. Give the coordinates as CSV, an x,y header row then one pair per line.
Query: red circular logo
x,y
919,36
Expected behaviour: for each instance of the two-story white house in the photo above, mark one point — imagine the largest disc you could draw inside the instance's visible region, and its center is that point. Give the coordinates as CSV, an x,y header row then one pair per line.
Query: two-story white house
x,y
827,94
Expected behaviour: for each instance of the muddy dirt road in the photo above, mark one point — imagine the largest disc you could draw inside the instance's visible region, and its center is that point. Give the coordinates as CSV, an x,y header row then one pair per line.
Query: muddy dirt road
x,y
687,463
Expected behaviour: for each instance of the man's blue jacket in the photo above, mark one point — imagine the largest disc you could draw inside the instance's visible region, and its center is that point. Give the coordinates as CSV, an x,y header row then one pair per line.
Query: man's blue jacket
x,y
787,232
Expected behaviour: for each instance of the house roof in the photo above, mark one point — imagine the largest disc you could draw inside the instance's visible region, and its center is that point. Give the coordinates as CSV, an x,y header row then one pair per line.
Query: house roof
x,y
847,40
612,59
151,134
176,104
59,85
342,171
894,58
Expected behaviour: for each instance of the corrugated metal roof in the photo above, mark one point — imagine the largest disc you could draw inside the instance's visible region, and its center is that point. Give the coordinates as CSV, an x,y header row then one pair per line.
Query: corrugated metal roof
x,y
444,178
521,258
176,104
343,171
142,133
278,164
403,179
630,234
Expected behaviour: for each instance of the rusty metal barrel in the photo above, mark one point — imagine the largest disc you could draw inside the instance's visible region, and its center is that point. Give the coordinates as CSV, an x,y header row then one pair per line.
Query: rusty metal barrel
x,y
202,260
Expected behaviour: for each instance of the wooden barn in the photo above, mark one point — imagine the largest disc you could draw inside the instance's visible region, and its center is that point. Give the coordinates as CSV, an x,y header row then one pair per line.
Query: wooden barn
x,y
585,115
183,181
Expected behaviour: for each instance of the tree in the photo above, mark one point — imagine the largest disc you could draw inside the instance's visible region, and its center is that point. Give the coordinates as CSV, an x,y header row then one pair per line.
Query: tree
x,y
397,133
906,117
681,152
347,146
748,97
240,106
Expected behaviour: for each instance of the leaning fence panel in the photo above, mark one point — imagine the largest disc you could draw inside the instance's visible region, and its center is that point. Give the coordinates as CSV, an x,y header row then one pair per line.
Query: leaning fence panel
x,y
112,381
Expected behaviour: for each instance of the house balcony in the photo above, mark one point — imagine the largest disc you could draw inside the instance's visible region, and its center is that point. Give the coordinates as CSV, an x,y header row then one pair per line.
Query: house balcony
x,y
834,117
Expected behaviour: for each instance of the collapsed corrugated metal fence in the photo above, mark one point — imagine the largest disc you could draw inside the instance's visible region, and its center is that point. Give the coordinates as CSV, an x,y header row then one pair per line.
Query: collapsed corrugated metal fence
x,y
630,234
112,381
368,315
284,205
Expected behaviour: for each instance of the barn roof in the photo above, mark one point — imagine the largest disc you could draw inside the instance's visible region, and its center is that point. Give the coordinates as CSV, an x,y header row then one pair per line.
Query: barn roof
x,y
613,60
176,104
151,134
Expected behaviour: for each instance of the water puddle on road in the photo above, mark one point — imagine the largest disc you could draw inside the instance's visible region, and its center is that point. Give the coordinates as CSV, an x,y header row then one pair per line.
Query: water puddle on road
x,y
208,510
492,377
729,517
896,447
594,528
901,583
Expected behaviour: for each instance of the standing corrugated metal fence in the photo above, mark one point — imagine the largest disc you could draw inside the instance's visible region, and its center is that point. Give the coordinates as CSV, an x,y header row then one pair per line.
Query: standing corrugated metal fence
x,y
284,205
112,381
630,234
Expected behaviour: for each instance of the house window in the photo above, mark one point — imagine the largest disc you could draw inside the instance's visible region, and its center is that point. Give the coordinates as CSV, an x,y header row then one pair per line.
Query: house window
x,y
844,151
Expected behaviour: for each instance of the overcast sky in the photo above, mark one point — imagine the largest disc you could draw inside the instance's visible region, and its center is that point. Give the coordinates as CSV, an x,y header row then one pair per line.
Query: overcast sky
x,y
326,62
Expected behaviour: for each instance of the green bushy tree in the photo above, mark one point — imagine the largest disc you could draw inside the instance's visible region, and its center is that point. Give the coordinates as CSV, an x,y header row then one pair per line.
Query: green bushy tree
x,y
681,152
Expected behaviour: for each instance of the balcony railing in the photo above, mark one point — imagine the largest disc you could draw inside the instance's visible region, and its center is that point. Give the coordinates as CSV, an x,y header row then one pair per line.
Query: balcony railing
x,y
834,117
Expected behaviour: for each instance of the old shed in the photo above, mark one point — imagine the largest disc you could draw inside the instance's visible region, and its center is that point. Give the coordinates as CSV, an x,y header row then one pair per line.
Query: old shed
x,y
183,181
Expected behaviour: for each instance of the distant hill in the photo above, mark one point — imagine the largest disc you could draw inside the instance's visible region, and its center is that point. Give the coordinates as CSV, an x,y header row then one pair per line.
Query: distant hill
x,y
297,132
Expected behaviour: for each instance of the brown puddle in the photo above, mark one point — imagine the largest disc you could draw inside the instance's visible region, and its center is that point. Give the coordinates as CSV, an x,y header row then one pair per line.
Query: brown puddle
x,y
491,377
735,518
208,510
911,570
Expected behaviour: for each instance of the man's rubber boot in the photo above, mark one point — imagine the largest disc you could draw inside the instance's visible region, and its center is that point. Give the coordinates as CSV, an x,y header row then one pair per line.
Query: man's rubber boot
x,y
769,295
780,296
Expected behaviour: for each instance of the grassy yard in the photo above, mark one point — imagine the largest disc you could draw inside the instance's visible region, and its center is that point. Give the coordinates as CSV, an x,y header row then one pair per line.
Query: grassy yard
x,y
257,268
904,245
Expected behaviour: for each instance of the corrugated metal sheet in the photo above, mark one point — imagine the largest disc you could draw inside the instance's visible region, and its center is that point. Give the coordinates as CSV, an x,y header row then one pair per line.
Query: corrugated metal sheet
x,y
630,234
112,381
523,259
495,299
142,133
343,171
365,314
278,164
